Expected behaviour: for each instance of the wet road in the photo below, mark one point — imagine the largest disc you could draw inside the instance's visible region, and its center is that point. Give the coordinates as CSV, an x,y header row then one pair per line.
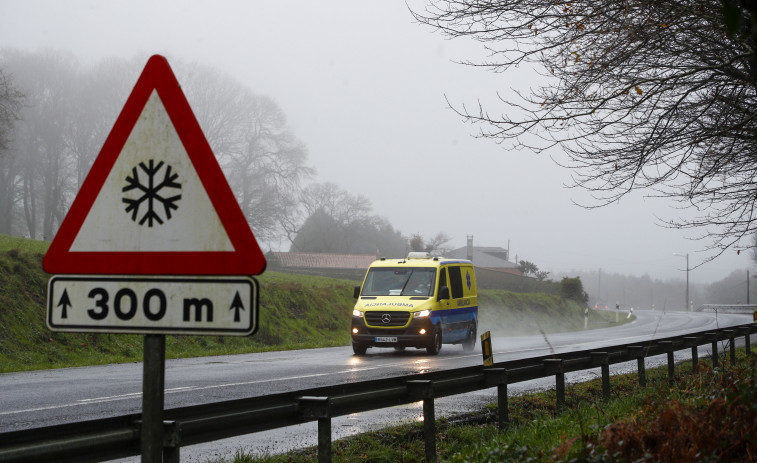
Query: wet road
x,y
50,397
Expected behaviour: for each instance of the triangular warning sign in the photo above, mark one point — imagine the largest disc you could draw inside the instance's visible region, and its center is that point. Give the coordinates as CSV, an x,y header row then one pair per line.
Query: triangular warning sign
x,y
155,201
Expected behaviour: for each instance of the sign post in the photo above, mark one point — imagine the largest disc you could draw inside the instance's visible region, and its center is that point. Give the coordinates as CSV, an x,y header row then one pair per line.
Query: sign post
x,y
153,390
154,242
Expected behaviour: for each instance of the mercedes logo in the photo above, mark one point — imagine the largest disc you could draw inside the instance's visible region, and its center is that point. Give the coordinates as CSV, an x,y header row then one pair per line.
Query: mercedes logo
x,y
386,318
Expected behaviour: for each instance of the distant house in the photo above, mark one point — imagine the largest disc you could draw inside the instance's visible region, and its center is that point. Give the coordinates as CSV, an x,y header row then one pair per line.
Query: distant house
x,y
493,269
489,258
344,266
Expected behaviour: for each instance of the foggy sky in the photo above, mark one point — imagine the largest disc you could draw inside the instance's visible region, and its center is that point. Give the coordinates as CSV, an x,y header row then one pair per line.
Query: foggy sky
x,y
364,88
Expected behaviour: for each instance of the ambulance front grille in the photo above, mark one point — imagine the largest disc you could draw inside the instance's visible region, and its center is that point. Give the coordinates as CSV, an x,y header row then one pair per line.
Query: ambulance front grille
x,y
379,318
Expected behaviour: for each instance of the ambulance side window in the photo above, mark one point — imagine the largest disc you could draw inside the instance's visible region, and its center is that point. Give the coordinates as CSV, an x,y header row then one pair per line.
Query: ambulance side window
x,y
455,282
443,278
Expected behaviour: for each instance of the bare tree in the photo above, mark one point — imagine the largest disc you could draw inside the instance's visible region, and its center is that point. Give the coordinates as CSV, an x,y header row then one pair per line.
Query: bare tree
x,y
44,188
263,161
69,111
333,215
437,245
10,107
640,94
337,221
339,204
100,94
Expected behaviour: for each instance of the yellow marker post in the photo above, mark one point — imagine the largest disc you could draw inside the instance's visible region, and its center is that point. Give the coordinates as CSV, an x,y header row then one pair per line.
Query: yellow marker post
x,y
486,349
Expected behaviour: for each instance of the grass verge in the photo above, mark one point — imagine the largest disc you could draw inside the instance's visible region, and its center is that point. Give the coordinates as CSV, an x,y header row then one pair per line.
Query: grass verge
x,y
703,416
295,312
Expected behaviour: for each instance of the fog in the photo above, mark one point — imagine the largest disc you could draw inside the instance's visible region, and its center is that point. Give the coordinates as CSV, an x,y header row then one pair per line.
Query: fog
x,y
366,89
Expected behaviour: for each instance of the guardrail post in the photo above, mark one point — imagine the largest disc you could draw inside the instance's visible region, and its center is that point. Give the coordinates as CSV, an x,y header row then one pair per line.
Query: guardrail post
x,y
667,347
498,377
731,335
424,389
694,341
639,353
603,360
556,367
319,408
713,338
171,442
747,341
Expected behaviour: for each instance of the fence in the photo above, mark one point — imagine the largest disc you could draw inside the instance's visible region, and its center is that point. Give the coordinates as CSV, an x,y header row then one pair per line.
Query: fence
x,y
728,308
117,437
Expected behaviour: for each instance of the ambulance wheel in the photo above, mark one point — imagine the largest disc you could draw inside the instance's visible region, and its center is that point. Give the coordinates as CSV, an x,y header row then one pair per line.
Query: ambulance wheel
x,y
359,348
470,343
436,343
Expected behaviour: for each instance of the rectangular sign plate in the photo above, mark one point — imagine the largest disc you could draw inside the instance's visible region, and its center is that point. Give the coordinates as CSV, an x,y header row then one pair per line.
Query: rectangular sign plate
x,y
212,305
386,339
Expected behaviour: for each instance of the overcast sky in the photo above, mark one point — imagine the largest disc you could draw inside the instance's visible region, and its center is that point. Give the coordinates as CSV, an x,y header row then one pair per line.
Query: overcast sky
x,y
364,88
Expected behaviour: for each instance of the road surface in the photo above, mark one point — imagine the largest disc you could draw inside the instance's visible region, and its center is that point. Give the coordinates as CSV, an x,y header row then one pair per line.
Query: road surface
x,y
49,397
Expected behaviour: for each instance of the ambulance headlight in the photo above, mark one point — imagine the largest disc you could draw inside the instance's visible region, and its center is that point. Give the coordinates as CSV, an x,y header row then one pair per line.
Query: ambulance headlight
x,y
357,314
422,314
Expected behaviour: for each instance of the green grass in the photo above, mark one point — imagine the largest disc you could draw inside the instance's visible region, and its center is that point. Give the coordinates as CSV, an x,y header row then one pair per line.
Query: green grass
x,y
709,415
295,312
9,243
302,312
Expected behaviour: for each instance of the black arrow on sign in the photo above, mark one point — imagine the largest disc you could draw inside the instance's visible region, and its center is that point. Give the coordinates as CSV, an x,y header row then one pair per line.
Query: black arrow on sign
x,y
66,303
236,305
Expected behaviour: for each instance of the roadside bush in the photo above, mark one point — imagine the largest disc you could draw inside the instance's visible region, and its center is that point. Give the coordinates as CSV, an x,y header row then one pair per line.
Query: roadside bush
x,y
708,416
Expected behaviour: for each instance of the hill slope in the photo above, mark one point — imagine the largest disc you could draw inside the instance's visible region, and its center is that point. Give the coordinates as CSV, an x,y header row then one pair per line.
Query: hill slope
x,y
296,312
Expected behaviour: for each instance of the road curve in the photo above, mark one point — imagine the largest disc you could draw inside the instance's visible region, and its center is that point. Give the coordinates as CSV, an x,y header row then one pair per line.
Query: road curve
x,y
49,397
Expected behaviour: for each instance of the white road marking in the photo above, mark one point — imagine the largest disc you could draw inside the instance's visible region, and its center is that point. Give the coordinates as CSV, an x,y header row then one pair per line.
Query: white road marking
x,y
132,395
291,378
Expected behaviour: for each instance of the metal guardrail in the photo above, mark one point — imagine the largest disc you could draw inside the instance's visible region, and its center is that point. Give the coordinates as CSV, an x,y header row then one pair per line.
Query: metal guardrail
x,y
117,437
728,308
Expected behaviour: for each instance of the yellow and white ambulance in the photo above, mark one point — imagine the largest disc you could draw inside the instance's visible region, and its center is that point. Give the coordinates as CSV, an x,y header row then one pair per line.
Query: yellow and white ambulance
x,y
419,301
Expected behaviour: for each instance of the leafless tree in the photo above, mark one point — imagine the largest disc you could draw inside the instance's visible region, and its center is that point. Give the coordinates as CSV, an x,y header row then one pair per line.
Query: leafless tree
x,y
436,245
439,243
39,138
656,95
69,111
100,94
339,204
262,159
10,107
336,221
344,216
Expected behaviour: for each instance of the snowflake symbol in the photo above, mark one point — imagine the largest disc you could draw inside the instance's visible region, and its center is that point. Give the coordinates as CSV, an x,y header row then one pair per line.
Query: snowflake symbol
x,y
151,193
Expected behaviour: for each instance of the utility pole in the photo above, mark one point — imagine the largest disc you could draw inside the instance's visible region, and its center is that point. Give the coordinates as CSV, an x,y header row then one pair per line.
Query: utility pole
x,y
599,286
687,278
688,307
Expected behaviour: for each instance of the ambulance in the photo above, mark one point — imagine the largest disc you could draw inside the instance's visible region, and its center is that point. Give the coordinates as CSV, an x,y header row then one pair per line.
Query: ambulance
x,y
419,301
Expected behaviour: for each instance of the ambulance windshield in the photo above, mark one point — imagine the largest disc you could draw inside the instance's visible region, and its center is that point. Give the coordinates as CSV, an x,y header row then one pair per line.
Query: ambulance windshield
x,y
399,282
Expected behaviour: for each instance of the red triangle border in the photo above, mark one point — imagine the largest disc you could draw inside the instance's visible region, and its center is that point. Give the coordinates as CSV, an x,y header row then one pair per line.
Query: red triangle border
x,y
246,259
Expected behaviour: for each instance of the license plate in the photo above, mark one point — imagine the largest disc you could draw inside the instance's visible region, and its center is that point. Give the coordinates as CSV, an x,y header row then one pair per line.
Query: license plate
x,y
386,339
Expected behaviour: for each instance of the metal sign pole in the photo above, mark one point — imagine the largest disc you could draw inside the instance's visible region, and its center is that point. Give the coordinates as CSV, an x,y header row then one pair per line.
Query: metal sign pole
x,y
153,382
